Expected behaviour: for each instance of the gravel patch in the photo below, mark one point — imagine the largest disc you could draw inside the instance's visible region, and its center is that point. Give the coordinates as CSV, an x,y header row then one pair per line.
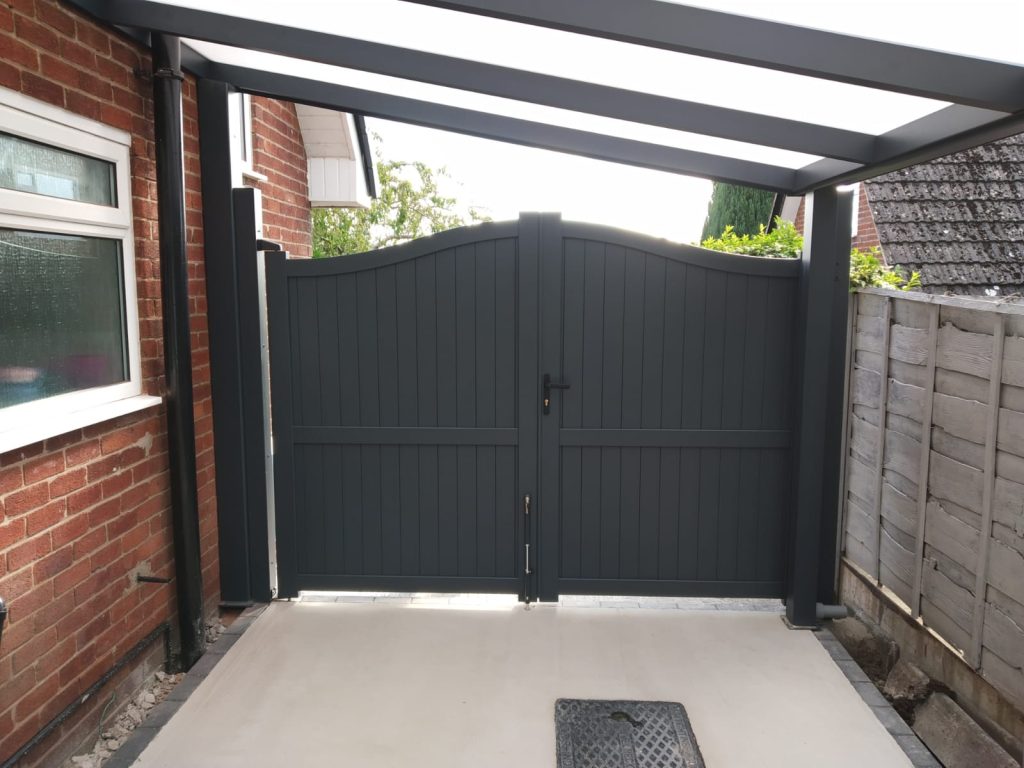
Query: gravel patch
x,y
109,740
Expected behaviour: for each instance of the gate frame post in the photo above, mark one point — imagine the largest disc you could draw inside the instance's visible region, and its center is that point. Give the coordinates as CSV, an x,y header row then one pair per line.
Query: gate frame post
x,y
229,226
821,334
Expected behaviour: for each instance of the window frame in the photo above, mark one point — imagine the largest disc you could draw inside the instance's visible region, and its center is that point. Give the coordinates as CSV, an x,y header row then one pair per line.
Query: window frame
x,y
25,423
240,135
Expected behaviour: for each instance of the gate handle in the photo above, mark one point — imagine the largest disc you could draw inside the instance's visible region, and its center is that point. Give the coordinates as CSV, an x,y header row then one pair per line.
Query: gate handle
x,y
548,386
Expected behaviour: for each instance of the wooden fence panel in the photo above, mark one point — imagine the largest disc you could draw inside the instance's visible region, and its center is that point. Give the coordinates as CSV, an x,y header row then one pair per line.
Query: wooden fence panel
x,y
934,495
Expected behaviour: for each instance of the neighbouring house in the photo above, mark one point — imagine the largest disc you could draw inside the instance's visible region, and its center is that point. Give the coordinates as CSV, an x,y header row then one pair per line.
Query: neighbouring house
x,y
957,220
85,498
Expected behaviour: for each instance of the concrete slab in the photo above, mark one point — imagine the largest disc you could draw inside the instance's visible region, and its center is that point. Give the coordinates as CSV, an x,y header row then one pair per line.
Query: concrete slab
x,y
393,685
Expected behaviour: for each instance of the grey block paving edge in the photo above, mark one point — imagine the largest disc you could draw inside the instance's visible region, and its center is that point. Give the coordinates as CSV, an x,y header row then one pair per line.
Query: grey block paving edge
x,y
141,737
913,748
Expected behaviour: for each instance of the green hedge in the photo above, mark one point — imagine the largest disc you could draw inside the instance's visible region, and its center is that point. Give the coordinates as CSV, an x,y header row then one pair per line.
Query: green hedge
x,y
784,242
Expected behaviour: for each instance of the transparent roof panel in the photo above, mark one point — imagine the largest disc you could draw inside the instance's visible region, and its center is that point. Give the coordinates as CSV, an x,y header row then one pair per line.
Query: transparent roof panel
x,y
985,29
500,106
580,57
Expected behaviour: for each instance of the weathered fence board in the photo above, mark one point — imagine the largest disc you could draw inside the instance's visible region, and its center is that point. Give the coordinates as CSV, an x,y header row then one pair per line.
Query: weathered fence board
x,y
935,479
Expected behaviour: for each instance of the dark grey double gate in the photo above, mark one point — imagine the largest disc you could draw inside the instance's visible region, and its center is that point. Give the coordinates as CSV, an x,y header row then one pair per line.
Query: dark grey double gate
x,y
417,447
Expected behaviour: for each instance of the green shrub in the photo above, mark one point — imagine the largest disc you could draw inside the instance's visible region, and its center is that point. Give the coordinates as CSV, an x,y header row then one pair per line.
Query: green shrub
x,y
784,242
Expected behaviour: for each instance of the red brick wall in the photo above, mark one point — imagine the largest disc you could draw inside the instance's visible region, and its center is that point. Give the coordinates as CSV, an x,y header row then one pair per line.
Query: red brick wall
x,y
279,154
84,512
867,234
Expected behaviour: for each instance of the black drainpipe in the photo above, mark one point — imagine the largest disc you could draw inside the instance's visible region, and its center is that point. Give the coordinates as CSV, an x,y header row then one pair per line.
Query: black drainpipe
x,y
170,179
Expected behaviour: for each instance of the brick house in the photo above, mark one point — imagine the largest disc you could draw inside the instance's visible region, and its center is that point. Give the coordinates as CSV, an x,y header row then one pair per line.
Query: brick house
x,y
958,220
85,485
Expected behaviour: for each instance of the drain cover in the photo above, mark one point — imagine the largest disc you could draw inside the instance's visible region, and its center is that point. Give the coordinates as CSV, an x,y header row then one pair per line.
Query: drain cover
x,y
624,734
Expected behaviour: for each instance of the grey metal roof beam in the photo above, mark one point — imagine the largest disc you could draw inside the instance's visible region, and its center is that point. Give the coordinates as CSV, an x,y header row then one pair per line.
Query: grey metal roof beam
x,y
490,79
772,45
941,133
509,129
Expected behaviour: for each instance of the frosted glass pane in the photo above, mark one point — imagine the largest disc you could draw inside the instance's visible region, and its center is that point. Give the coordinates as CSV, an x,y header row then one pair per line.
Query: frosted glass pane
x,y
984,29
507,107
27,166
61,315
590,59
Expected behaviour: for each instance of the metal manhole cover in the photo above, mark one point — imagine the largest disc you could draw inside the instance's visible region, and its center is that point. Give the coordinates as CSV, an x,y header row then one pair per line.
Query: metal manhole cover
x,y
624,734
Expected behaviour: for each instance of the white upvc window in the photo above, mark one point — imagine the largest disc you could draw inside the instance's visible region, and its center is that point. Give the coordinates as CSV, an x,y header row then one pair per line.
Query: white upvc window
x,y
240,119
69,328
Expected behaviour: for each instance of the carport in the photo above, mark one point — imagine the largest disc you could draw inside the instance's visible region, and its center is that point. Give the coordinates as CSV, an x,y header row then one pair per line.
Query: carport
x,y
901,105
517,71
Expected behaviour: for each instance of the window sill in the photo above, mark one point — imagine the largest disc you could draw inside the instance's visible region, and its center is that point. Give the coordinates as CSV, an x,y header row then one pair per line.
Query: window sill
x,y
63,423
251,175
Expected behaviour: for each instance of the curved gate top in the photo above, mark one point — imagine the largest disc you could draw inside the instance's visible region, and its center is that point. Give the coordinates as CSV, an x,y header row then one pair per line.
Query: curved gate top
x,y
535,406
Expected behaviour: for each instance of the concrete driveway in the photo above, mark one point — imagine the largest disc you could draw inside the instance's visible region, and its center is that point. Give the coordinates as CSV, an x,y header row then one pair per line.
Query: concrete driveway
x,y
468,683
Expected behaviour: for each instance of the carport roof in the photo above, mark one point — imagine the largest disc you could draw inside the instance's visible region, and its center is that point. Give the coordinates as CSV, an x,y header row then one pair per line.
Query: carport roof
x,y
681,88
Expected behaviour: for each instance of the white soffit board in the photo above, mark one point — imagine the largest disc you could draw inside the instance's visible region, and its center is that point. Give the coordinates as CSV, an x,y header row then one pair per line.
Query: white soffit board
x,y
326,132
334,162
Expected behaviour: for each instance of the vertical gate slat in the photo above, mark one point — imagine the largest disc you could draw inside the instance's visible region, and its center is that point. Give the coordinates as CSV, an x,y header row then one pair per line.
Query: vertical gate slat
x,y
689,513
728,518
369,395
695,298
710,519
506,510
372,542
466,455
485,508
348,340
779,329
448,510
734,351
632,340
611,405
613,322
428,501
678,323
465,334
408,343
574,290
774,483
754,353
716,320
387,345
328,349
590,513
654,341
610,501
650,512
484,355
426,341
352,506
668,522
570,512
629,503
409,508
593,334
447,385
505,333
750,506
390,507
447,413
308,342
334,521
